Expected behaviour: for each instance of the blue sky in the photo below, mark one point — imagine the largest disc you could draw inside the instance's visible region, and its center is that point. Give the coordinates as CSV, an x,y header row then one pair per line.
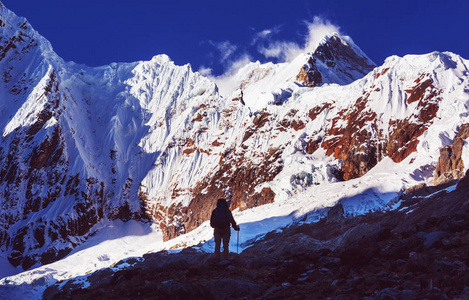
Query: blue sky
x,y
215,35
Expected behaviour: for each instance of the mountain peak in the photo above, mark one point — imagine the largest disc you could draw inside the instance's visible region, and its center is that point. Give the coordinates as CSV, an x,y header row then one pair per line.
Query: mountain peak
x,y
330,36
17,37
342,42
339,60
161,59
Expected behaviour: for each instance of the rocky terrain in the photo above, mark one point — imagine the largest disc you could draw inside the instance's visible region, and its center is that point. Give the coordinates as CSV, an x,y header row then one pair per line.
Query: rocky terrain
x,y
418,251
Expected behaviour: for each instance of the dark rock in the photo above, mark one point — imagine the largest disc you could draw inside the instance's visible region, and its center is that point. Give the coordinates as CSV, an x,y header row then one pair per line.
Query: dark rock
x,y
434,237
336,212
329,261
456,225
465,293
224,263
291,269
174,262
461,266
418,262
183,291
297,244
421,235
397,264
408,295
230,288
262,262
124,275
360,253
411,284
387,282
445,267
51,292
436,295
153,261
387,294
272,291
343,297
100,277
463,184
361,231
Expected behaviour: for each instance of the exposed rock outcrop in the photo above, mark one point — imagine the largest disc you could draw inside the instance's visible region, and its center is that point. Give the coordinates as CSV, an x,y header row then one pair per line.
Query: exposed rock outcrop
x,y
361,144
309,74
334,61
450,164
343,58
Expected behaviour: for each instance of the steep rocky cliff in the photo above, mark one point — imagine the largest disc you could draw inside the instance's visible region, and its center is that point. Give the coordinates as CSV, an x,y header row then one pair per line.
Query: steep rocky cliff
x,y
450,163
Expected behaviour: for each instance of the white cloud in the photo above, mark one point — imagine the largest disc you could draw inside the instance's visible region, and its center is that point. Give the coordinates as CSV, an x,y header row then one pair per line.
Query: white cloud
x,y
231,59
264,34
227,82
284,51
226,48
287,51
317,30
205,71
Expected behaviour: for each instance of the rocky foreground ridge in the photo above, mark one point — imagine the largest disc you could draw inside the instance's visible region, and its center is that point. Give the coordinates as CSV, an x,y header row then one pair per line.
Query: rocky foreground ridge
x,y
156,142
419,251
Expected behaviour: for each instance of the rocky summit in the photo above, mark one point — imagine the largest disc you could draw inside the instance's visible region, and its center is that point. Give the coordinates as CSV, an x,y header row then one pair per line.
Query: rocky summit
x,y
342,174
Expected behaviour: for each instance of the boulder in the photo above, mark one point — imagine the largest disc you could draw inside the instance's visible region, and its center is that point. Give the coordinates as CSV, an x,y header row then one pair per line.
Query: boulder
x,y
262,262
418,262
387,294
181,291
231,288
434,237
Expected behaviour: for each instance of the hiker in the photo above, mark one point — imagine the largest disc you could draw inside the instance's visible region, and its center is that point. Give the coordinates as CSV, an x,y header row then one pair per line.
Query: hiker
x,y
221,220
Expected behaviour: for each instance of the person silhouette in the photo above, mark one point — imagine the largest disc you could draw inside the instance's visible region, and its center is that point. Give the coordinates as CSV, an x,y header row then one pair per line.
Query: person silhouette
x,y
220,220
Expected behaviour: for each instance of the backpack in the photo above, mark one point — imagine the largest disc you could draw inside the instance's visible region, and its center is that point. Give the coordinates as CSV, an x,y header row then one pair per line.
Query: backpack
x,y
219,219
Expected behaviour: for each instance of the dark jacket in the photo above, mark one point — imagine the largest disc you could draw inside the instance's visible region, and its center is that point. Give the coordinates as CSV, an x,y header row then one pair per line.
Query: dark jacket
x,y
222,212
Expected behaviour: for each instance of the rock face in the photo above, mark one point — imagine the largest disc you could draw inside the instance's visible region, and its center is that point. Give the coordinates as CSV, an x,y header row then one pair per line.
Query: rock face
x,y
335,61
156,142
342,61
450,164
309,74
361,148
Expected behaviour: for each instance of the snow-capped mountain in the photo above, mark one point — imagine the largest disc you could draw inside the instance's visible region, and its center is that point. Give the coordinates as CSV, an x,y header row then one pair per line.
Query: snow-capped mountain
x,y
155,142
335,60
78,142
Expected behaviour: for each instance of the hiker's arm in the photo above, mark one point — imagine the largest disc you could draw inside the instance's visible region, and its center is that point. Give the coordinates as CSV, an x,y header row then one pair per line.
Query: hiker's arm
x,y
233,222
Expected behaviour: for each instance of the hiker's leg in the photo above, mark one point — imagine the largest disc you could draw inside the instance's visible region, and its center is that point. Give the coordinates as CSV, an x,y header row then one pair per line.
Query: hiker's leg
x,y
226,244
217,237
